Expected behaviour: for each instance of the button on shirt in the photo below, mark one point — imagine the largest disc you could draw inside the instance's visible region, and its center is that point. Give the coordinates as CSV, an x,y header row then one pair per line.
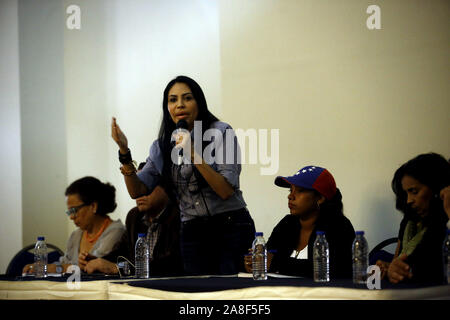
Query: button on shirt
x,y
193,201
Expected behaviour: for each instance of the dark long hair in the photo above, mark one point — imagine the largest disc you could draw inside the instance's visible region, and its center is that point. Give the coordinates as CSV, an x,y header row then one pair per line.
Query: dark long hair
x,y
430,169
331,208
168,126
204,115
91,190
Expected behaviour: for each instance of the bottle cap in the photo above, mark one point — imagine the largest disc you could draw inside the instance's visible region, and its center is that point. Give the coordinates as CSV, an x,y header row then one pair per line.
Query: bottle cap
x,y
320,233
359,233
41,238
259,234
141,235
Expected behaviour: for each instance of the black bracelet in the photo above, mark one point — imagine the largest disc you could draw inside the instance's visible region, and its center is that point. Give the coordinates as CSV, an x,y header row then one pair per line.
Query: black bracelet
x,y
125,158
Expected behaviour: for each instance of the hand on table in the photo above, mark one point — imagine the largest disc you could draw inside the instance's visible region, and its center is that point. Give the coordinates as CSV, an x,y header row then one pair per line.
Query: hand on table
x,y
101,265
248,260
28,269
399,270
384,267
83,259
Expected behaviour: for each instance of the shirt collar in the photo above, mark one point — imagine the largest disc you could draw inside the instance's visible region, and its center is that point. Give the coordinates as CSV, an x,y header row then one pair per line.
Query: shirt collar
x,y
145,218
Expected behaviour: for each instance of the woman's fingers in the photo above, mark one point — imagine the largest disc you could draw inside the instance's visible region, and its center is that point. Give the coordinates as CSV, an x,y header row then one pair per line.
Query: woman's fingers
x,y
248,262
403,267
28,268
114,129
397,275
90,267
182,138
82,259
384,266
399,270
144,200
118,136
394,277
140,201
143,205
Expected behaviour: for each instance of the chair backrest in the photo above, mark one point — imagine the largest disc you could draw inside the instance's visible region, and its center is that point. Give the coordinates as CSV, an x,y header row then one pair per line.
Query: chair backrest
x,y
377,253
26,256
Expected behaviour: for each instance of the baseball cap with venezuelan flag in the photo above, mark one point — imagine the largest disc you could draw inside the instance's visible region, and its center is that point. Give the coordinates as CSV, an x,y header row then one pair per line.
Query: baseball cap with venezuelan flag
x,y
311,177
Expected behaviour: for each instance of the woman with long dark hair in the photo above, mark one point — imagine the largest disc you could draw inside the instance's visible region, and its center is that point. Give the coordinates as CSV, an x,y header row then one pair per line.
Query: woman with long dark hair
x,y
216,227
315,204
417,185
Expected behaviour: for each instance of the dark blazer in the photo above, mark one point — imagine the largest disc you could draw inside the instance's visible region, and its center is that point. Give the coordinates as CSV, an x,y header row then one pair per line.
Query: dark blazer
x,y
284,239
166,255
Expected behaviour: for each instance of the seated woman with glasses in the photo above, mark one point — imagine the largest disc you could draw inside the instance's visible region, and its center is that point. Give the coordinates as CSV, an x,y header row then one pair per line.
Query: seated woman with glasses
x,y
89,201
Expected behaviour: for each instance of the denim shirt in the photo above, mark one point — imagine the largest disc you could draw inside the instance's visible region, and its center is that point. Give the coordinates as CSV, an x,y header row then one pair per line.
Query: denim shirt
x,y
194,201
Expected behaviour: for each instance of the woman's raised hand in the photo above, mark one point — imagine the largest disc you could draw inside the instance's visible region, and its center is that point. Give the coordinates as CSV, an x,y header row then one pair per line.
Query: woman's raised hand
x,y
119,137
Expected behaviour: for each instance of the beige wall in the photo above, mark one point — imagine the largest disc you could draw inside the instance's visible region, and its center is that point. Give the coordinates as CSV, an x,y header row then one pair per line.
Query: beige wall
x,y
42,115
118,64
10,161
85,94
359,102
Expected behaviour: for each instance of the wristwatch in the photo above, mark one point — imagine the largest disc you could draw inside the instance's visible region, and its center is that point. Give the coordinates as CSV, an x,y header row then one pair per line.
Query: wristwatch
x,y
59,268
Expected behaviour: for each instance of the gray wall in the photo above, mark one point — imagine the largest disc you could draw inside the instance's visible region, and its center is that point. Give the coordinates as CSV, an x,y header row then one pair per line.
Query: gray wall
x,y
42,113
10,160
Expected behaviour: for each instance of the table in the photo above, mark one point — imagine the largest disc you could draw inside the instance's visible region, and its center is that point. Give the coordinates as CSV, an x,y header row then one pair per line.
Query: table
x,y
210,288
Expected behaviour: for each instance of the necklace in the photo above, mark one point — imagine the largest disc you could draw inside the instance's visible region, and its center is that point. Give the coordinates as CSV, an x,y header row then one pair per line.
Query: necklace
x,y
99,233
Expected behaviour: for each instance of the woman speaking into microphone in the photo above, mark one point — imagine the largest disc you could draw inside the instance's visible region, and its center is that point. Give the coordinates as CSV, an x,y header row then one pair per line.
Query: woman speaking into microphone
x,y
216,227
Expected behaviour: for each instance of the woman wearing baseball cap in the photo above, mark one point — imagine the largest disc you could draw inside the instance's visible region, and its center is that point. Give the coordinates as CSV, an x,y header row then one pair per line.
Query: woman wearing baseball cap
x,y
315,204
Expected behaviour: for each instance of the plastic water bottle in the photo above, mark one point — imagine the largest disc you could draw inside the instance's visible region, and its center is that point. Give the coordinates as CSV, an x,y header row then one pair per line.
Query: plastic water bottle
x,y
142,256
259,257
360,258
321,258
40,258
445,254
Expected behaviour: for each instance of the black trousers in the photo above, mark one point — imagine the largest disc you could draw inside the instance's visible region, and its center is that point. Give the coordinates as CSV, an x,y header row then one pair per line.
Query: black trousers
x,y
217,244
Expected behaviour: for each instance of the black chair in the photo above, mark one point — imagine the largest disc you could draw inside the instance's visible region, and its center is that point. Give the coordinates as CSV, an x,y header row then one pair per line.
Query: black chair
x,y
26,256
378,253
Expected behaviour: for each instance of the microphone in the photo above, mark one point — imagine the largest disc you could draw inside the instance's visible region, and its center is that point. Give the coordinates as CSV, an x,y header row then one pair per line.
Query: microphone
x,y
181,124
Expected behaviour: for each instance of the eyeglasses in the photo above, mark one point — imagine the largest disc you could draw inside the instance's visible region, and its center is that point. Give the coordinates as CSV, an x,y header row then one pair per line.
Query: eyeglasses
x,y
74,210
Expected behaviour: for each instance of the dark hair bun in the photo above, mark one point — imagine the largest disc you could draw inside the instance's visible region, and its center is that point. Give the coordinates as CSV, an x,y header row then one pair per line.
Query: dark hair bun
x,y
107,199
90,190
